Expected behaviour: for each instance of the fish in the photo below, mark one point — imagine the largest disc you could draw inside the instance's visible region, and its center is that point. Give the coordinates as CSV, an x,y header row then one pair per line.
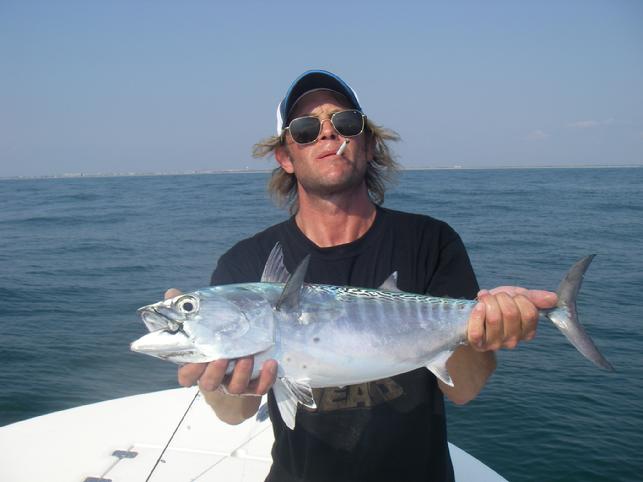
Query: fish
x,y
326,335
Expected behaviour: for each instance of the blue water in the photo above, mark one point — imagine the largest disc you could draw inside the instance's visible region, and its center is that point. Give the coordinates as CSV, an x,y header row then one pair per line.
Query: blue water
x,y
78,256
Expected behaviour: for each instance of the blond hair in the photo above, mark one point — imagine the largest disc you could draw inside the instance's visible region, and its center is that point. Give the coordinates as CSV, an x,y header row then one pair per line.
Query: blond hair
x,y
381,170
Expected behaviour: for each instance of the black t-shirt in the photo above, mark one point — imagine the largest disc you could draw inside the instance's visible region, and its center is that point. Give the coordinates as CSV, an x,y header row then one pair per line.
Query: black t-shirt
x,y
392,429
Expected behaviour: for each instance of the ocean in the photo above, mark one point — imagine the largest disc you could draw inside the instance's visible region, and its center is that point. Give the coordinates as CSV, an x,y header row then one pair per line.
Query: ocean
x,y
79,256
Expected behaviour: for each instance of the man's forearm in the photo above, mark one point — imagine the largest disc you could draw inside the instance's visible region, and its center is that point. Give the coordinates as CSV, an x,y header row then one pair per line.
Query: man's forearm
x,y
232,409
469,370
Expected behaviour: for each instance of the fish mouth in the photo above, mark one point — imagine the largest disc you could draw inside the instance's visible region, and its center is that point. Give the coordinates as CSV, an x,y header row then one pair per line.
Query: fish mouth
x,y
168,340
158,317
166,345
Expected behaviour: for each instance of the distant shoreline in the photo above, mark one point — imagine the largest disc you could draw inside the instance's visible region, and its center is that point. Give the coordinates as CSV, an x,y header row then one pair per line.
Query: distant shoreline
x,y
80,175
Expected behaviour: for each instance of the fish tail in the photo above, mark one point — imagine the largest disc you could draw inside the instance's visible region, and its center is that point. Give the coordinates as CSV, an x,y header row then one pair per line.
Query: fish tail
x,y
565,316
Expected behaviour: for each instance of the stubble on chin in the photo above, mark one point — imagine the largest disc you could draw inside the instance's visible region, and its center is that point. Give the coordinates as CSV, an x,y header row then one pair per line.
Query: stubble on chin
x,y
330,186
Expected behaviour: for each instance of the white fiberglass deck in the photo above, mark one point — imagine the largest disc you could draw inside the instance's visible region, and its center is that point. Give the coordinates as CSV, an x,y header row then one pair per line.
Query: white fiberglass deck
x,y
77,445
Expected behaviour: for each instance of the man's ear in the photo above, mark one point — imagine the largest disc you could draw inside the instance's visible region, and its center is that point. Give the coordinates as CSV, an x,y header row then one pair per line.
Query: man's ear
x,y
283,158
370,146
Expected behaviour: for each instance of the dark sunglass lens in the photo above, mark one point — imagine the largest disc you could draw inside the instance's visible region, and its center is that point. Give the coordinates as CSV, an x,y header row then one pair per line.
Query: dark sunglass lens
x,y
304,129
348,123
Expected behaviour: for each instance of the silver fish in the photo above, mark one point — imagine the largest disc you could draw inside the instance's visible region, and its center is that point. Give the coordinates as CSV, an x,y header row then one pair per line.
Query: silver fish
x,y
328,336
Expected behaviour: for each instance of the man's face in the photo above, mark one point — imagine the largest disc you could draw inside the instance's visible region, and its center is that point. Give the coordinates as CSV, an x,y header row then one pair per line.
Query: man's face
x,y
317,167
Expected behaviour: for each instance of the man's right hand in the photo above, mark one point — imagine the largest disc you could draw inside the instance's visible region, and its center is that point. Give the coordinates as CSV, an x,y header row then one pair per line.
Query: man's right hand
x,y
234,397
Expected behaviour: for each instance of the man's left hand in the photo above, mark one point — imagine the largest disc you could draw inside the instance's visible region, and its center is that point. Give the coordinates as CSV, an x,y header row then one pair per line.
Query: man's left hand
x,y
505,316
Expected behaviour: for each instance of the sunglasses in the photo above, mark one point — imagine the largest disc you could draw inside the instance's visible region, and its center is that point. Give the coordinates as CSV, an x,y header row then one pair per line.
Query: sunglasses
x,y
347,123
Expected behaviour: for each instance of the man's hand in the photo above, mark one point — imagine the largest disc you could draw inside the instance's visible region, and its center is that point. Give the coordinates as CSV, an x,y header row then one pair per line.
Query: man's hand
x,y
211,376
505,316
217,387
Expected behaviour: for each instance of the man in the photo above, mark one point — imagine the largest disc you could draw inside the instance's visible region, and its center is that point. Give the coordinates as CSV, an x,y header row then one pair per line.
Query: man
x,y
332,167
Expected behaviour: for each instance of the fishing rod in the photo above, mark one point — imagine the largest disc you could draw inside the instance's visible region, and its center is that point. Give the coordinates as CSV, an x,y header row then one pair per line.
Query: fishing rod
x,y
172,436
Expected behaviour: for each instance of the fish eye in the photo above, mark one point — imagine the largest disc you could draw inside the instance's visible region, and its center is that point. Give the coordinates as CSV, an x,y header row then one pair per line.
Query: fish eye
x,y
187,305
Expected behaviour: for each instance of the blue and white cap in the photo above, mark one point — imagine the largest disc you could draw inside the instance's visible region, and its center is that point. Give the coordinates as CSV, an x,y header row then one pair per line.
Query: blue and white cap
x,y
308,82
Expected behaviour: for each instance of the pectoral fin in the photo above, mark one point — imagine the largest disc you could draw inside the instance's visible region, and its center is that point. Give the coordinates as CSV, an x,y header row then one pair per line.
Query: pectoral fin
x,y
438,366
288,393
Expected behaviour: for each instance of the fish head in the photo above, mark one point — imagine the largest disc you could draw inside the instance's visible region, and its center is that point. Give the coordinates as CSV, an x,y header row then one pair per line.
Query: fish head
x,y
220,322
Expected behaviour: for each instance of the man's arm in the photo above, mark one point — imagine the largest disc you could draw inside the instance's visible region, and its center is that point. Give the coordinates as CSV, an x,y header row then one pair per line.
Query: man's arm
x,y
504,317
469,370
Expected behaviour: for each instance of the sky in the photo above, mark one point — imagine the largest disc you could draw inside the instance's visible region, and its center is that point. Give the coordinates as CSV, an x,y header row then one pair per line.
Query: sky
x,y
175,86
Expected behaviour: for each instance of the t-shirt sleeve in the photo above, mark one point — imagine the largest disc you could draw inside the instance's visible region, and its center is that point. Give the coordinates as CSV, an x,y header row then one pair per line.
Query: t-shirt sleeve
x,y
243,263
453,275
224,273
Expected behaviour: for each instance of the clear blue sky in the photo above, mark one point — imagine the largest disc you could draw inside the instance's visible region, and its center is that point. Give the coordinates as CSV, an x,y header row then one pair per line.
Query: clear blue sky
x,y
118,86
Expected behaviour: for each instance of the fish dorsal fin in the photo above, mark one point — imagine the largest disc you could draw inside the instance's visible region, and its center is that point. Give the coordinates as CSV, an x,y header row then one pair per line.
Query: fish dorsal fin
x,y
288,393
438,367
274,271
290,295
390,284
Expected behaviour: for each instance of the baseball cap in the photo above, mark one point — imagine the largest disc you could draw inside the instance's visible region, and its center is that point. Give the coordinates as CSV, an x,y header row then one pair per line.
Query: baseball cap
x,y
307,82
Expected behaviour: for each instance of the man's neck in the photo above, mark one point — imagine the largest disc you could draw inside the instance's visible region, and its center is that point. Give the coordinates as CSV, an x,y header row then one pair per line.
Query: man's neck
x,y
335,220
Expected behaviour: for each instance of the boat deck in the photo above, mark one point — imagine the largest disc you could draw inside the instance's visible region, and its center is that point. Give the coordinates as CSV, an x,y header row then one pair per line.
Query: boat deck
x,y
121,440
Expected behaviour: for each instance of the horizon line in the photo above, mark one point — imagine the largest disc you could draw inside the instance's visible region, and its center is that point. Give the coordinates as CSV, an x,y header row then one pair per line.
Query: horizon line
x,y
194,172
